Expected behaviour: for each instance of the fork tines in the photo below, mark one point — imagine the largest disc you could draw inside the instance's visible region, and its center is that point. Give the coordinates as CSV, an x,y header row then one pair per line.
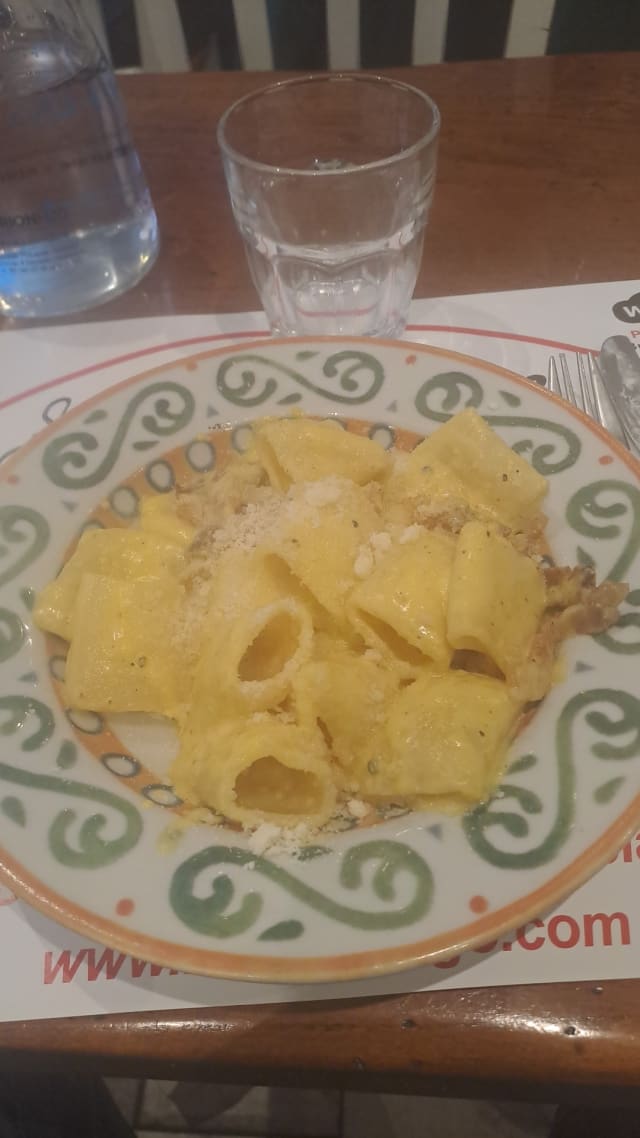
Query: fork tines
x,y
588,394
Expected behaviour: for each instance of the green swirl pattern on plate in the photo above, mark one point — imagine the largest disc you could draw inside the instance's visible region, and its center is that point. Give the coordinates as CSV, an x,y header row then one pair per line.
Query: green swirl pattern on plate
x,y
12,634
14,809
91,850
605,511
248,379
444,395
160,409
509,811
22,714
24,534
211,917
34,723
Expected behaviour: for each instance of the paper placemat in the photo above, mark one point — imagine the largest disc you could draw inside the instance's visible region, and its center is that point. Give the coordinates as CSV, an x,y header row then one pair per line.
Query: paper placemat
x,y
47,971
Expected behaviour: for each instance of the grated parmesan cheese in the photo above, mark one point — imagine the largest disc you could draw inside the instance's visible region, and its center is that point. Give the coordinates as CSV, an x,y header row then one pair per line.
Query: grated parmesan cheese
x,y
380,544
255,524
363,564
323,492
410,534
272,839
263,837
357,808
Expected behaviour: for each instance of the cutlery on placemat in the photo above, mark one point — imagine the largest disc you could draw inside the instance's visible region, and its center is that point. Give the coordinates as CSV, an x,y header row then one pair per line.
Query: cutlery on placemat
x,y
587,391
619,366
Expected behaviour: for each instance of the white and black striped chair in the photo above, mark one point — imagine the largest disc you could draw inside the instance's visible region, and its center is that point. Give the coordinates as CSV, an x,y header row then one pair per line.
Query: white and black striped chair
x,y
521,29
162,44
528,29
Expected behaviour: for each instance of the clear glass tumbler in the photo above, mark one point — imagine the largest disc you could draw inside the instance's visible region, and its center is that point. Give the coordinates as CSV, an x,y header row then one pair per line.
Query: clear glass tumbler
x,y
331,179
77,225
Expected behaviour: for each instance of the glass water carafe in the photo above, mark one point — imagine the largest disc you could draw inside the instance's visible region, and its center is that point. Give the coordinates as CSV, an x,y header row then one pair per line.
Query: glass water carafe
x,y
77,225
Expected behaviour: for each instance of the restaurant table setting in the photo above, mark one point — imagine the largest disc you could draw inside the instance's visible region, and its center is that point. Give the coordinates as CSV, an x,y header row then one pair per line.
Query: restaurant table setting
x,y
49,970
114,905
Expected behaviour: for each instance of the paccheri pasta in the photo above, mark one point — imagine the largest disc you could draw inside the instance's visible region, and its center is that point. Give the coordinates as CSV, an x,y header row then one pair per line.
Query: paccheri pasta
x,y
326,621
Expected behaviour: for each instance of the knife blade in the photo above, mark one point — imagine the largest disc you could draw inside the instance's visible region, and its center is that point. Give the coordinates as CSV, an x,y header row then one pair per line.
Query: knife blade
x,y
619,366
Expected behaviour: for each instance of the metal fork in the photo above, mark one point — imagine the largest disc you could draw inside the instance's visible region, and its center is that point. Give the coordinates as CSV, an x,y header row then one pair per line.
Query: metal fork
x,y
590,395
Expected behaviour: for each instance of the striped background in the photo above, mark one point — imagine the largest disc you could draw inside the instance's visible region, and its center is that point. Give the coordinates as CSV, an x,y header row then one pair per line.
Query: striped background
x,y
315,34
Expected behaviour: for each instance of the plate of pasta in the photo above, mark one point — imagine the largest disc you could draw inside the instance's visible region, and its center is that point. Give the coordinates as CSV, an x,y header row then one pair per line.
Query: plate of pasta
x,y
319,659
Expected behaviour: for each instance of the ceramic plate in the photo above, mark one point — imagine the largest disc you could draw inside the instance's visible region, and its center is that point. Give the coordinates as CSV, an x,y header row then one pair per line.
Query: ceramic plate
x,y
85,805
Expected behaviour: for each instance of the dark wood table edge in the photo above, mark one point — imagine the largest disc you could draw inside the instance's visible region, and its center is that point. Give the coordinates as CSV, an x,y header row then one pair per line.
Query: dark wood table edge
x,y
404,1044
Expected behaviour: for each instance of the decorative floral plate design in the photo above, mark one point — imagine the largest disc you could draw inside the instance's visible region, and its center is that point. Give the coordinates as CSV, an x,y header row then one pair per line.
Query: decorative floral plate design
x,y
89,827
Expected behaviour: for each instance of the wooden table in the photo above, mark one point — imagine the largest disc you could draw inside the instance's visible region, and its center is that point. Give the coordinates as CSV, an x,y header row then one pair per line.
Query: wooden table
x,y
539,184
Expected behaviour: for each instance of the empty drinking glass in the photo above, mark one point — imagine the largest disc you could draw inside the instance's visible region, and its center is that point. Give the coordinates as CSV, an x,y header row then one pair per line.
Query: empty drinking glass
x,y
331,180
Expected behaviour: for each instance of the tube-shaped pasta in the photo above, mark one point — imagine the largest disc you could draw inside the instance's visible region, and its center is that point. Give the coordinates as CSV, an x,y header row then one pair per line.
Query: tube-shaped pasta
x,y
123,554
480,468
321,536
346,693
496,598
446,735
254,637
120,658
305,450
400,608
323,618
258,770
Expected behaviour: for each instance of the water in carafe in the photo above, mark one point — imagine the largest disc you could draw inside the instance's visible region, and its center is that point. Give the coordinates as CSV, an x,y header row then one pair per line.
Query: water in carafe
x,y
77,225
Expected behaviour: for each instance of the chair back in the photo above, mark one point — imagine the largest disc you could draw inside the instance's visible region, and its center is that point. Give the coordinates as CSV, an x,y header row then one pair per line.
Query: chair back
x,y
161,38
163,46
